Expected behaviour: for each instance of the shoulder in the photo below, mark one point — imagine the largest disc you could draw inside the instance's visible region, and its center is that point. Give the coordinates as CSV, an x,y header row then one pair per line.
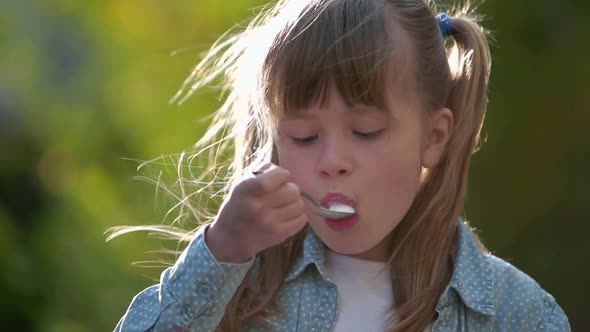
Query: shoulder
x,y
520,303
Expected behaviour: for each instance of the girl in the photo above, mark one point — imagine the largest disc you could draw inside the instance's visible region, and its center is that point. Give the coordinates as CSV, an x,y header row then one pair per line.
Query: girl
x,y
361,105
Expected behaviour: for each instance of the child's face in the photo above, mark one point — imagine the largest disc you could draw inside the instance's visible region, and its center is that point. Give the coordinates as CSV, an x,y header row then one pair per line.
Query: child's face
x,y
372,157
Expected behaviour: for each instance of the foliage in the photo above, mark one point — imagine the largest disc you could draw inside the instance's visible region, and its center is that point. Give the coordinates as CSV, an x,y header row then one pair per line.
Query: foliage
x,y
84,88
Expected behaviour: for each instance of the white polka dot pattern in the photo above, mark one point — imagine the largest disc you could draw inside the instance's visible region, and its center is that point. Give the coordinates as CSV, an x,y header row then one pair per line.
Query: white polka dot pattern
x,y
485,294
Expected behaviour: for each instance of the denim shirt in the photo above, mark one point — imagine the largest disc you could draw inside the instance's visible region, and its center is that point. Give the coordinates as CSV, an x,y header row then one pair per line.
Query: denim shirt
x,y
485,293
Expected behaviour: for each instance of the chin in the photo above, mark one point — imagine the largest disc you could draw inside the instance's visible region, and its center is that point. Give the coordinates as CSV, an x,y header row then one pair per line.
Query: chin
x,y
367,247
347,247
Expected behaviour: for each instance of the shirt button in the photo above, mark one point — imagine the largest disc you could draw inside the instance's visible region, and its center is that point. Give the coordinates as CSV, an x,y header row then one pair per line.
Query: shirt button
x,y
204,290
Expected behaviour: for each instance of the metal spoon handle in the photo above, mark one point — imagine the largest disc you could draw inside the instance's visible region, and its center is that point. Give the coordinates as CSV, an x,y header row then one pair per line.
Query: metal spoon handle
x,y
311,200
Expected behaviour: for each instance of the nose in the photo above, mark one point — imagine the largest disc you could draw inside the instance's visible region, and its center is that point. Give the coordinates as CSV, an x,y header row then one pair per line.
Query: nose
x,y
335,159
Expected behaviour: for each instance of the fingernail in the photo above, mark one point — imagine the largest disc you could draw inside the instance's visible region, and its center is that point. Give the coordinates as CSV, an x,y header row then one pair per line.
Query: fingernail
x,y
260,169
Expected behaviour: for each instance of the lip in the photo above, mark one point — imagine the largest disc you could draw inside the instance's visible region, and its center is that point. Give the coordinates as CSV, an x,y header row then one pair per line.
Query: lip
x,y
340,224
337,198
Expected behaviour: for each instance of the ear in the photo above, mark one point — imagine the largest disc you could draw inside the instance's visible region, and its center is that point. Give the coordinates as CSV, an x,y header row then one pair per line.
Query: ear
x,y
439,125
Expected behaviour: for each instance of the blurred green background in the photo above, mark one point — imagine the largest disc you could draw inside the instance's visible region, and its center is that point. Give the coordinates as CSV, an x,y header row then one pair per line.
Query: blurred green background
x,y
86,84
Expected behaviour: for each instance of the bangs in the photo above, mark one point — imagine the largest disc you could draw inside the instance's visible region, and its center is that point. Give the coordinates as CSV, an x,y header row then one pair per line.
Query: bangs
x,y
346,44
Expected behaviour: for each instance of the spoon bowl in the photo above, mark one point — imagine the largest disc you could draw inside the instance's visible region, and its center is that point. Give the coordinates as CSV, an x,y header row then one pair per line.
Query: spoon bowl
x,y
326,213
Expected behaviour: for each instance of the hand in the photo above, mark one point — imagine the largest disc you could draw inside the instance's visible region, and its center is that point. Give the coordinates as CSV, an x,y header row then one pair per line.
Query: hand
x,y
260,212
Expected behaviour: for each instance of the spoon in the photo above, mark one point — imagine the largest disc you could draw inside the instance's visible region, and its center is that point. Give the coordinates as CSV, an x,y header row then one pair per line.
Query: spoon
x,y
326,213
320,210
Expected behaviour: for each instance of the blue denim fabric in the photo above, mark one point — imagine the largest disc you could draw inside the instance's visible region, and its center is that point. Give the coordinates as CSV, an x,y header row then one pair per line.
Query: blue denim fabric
x,y
485,293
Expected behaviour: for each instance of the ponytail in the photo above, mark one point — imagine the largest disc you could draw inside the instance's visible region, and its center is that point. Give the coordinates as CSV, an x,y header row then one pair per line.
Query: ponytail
x,y
470,64
427,236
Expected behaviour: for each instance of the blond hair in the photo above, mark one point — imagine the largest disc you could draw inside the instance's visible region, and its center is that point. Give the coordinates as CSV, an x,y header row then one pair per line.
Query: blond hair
x,y
285,59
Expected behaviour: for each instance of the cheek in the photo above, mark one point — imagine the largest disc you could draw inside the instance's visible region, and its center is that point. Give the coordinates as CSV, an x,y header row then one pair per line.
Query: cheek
x,y
396,171
284,154
292,160
397,176
389,197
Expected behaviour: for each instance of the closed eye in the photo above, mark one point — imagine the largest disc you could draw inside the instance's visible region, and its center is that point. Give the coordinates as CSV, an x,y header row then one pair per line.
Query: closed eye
x,y
368,135
304,140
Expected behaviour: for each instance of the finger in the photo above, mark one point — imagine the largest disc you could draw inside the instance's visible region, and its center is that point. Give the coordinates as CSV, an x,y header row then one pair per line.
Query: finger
x,y
286,194
262,168
292,226
291,211
268,181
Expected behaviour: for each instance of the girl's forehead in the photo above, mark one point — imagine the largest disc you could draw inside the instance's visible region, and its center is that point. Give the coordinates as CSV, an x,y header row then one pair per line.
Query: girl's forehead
x,y
332,100
364,57
385,92
335,112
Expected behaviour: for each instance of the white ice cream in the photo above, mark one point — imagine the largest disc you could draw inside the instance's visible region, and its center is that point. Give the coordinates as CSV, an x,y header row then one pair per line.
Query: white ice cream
x,y
337,207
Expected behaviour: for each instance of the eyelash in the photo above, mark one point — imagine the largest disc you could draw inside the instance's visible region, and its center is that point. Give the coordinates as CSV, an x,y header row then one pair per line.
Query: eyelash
x,y
368,135
305,140
362,135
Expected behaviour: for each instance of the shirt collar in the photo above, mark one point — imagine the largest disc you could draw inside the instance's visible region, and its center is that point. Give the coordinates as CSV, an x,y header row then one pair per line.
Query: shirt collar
x,y
472,275
313,254
471,279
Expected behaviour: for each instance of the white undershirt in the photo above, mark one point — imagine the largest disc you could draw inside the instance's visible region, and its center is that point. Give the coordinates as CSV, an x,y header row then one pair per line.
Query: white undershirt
x,y
364,292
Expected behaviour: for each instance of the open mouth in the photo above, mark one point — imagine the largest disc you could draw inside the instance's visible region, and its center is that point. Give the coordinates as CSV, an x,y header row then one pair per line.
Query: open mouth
x,y
340,207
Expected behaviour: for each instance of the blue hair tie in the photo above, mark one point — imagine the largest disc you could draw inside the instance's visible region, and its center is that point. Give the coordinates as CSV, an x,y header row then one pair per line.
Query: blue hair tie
x,y
444,22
